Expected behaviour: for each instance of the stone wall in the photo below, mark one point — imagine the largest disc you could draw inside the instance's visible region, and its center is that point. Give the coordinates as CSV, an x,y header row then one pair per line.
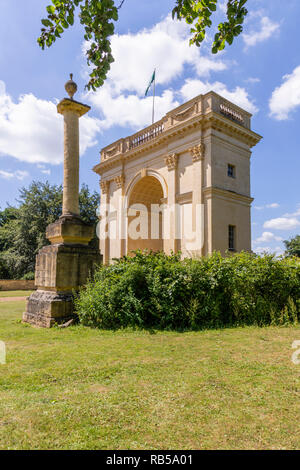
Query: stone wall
x,y
6,285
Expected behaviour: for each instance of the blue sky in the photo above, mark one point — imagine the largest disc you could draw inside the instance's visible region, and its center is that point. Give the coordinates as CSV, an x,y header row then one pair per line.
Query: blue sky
x,y
260,72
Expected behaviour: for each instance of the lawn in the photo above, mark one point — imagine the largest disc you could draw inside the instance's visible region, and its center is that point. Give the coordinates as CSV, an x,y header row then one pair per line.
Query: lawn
x,y
79,388
15,293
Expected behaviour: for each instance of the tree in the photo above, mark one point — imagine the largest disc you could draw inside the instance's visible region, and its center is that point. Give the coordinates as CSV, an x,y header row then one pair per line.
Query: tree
x,y
24,234
99,16
9,213
293,246
4,273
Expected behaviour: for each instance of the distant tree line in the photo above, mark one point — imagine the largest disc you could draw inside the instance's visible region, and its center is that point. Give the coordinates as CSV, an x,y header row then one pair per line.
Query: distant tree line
x,y
23,228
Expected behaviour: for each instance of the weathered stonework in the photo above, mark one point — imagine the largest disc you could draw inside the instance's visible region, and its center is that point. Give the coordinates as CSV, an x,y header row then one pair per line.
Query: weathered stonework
x,y
69,230
46,308
60,270
65,265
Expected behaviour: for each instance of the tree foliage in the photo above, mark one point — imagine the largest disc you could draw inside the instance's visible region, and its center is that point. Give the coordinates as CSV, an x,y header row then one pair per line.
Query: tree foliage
x,y
98,18
293,246
23,229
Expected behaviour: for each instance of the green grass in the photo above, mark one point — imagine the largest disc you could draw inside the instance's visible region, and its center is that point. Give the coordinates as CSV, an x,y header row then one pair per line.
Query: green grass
x,y
15,293
79,388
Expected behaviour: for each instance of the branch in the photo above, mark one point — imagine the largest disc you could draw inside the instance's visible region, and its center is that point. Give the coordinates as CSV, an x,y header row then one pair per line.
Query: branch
x,y
121,4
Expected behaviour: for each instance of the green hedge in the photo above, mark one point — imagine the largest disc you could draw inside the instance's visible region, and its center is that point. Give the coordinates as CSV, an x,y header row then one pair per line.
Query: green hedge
x,y
162,292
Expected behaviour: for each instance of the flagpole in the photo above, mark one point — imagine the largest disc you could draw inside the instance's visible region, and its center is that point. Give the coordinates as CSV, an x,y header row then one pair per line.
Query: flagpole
x,y
153,99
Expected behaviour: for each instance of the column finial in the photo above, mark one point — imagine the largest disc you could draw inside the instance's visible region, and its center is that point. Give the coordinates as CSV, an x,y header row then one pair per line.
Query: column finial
x,y
71,87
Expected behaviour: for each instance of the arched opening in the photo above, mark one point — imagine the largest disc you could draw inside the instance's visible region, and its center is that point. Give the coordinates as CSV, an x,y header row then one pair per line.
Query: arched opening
x,y
145,215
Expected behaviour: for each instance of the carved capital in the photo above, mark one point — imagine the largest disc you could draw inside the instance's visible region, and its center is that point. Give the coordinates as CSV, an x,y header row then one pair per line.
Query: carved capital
x,y
120,181
197,152
104,187
68,105
171,161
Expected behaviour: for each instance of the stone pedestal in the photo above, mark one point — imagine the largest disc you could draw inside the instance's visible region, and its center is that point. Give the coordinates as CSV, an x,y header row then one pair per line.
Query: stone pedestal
x,y
61,268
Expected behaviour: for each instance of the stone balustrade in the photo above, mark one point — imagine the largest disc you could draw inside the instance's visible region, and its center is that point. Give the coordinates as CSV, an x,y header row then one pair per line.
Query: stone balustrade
x,y
146,134
199,106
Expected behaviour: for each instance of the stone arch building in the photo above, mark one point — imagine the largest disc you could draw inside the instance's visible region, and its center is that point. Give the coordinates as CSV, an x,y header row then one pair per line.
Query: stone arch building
x,y
183,182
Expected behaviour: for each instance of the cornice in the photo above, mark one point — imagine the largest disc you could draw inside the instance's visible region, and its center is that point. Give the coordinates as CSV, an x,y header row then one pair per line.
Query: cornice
x,y
218,122
211,120
228,195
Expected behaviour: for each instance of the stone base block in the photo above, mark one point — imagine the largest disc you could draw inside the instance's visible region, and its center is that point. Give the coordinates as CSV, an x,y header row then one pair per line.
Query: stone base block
x,y
45,309
64,268
61,268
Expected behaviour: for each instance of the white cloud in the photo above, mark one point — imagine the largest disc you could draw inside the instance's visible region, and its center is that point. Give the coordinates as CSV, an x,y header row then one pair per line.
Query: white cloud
x,y
239,96
266,237
273,205
282,223
278,251
32,131
286,97
165,46
252,80
19,175
294,214
263,249
267,29
223,6
130,110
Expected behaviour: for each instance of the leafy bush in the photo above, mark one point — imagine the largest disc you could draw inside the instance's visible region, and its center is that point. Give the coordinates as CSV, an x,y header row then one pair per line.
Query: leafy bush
x,y
153,290
28,276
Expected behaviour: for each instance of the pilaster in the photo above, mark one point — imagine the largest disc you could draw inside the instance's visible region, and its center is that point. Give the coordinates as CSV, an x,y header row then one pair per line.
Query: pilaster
x,y
104,239
171,161
197,153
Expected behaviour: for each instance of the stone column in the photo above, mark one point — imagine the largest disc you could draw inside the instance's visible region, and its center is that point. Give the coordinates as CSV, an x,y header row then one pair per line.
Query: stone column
x,y
197,153
65,265
172,163
71,111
